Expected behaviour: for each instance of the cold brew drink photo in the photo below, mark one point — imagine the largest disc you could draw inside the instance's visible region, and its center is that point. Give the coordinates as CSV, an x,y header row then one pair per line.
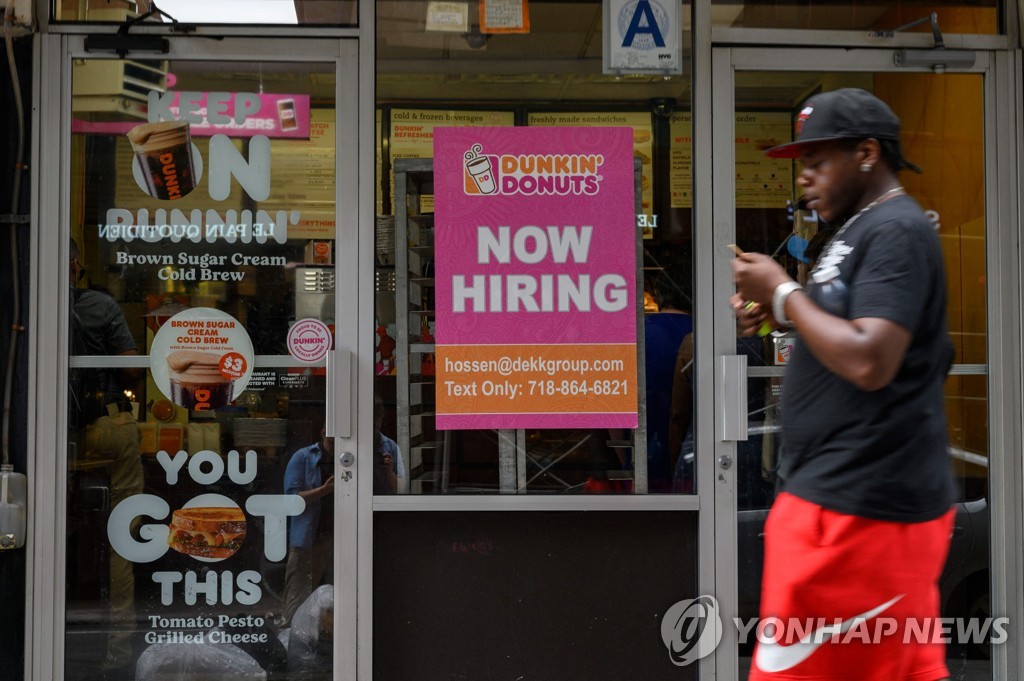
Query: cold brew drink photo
x,y
164,153
197,382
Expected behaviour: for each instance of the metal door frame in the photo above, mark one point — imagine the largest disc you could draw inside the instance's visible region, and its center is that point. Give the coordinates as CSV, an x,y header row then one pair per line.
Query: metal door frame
x,y
49,357
1002,114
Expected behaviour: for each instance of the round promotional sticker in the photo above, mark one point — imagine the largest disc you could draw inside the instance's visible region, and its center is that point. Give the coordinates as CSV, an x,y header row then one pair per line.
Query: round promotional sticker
x,y
201,359
309,340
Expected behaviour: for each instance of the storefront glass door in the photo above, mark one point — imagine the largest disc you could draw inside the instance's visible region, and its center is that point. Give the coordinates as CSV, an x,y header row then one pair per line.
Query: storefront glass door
x,y
208,279
947,129
536,513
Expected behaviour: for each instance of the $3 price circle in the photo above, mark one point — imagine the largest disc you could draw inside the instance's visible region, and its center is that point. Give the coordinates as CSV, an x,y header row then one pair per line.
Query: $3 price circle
x,y
233,366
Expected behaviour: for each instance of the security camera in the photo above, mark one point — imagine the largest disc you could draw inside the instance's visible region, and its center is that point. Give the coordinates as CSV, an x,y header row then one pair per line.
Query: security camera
x,y
475,39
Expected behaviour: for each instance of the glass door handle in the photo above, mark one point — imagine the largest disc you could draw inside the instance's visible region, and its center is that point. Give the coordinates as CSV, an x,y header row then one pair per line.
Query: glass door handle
x,y
732,421
338,403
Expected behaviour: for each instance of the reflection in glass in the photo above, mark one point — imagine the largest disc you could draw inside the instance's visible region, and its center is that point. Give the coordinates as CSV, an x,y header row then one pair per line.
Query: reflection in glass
x,y
954,16
952,192
196,246
549,76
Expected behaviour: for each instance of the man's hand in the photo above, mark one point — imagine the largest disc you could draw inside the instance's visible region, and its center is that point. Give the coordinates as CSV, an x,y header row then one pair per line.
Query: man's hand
x,y
757,276
750,315
327,487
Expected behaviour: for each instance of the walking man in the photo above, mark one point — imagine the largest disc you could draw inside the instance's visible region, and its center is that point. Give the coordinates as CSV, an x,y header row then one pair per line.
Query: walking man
x,y
860,532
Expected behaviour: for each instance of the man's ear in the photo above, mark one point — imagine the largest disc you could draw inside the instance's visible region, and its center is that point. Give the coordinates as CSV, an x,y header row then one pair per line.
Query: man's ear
x,y
869,151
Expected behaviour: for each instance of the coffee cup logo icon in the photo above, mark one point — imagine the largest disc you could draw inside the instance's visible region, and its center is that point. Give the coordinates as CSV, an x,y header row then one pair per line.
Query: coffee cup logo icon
x,y
164,165
481,171
286,114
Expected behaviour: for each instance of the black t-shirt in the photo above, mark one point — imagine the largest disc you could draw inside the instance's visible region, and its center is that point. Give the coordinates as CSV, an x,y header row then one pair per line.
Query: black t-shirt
x,y
880,454
98,327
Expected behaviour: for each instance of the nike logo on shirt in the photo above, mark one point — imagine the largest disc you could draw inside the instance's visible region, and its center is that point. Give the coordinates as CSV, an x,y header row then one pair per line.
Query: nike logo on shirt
x,y
772,657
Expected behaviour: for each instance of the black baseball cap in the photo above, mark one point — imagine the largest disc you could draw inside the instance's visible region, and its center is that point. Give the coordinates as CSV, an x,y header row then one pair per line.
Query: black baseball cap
x,y
848,113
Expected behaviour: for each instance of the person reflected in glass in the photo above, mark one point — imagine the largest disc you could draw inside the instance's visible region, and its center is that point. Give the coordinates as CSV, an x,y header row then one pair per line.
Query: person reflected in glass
x,y
310,475
664,332
102,418
388,467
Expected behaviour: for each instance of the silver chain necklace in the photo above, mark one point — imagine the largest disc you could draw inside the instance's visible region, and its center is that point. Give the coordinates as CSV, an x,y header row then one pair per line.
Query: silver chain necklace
x,y
846,225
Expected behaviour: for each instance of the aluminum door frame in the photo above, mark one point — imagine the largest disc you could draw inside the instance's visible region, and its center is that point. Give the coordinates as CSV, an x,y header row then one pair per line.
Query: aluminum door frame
x,y
49,355
1001,71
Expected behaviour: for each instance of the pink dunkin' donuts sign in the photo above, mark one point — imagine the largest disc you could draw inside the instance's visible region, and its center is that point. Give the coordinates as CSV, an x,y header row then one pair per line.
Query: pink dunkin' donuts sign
x,y
536,301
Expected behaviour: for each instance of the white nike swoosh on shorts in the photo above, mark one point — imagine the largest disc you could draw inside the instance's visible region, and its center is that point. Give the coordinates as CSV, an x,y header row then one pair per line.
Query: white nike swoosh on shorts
x,y
772,657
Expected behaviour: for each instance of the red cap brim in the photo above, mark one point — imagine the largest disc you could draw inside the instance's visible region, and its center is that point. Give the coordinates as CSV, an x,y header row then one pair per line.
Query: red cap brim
x,y
794,149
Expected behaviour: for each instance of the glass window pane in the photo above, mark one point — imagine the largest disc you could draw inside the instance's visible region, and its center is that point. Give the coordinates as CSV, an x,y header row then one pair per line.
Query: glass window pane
x,y
953,17
545,73
198,242
951,190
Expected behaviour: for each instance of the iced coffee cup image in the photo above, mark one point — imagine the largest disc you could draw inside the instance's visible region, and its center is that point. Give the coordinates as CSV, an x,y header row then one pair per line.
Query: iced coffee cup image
x,y
163,154
481,170
196,380
286,114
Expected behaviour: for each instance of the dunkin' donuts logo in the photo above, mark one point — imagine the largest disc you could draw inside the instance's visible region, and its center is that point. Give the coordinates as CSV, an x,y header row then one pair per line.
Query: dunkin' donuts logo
x,y
531,174
309,340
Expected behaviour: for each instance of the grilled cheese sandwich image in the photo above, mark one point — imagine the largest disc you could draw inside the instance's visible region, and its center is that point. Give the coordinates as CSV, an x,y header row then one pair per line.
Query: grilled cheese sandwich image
x,y
207,532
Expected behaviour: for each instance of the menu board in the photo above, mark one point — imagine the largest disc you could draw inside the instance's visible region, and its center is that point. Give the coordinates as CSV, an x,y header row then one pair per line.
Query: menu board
x,y
378,131
761,182
681,160
412,133
304,178
643,140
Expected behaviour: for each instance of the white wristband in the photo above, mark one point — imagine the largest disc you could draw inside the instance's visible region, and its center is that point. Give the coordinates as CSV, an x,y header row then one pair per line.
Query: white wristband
x,y
779,297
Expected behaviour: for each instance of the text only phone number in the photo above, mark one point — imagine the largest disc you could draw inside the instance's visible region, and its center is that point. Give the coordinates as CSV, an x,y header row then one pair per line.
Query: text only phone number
x,y
602,387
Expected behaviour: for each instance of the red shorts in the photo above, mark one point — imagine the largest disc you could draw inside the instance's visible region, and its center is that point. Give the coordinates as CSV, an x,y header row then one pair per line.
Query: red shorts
x,y
871,584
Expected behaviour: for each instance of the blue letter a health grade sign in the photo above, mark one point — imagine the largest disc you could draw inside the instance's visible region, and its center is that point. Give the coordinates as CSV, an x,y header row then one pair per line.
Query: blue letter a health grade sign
x,y
642,36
